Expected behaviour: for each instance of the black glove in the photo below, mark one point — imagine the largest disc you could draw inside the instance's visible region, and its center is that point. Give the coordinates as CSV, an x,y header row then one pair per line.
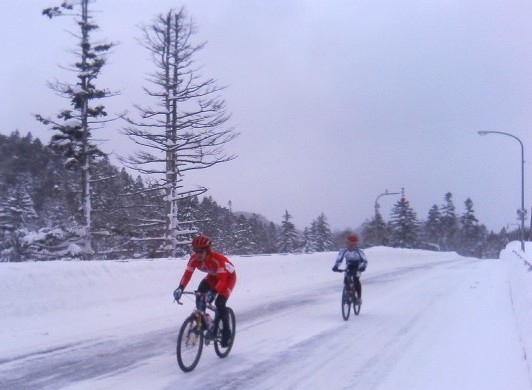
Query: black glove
x,y
177,293
335,269
209,298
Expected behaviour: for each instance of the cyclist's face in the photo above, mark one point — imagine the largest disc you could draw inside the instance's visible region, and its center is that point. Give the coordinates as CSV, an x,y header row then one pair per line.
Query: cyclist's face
x,y
351,244
201,254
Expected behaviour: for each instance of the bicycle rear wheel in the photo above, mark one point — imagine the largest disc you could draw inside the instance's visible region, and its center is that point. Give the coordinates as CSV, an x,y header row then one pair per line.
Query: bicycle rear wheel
x,y
189,344
224,351
346,304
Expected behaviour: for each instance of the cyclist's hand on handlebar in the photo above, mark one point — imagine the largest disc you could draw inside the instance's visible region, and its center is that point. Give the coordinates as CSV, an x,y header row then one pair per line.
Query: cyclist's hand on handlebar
x,y
335,269
177,293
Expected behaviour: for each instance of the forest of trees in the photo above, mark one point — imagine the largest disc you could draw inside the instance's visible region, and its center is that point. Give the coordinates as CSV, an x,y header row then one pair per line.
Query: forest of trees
x,y
41,217
67,200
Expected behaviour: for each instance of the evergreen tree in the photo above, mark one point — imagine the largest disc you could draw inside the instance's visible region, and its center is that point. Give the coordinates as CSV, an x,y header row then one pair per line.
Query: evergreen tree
x,y
273,239
34,191
404,225
471,232
376,232
493,244
450,225
112,210
217,223
309,238
263,242
433,229
74,127
288,237
244,239
381,231
321,233
188,210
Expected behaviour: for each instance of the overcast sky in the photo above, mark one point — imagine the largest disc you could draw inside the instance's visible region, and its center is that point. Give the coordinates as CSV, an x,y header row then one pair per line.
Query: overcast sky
x,y
335,101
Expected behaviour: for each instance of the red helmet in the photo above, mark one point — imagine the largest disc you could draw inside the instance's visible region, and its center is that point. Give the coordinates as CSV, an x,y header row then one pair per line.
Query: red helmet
x,y
201,242
352,238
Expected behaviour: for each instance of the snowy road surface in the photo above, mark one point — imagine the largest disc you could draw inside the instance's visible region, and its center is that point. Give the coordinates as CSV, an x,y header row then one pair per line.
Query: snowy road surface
x,y
429,321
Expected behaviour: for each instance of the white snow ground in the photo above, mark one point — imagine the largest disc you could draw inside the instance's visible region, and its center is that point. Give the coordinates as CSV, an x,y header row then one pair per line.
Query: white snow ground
x,y
429,321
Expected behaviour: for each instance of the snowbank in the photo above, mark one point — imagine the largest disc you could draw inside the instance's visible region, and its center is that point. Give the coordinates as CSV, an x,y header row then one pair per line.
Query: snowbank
x,y
520,276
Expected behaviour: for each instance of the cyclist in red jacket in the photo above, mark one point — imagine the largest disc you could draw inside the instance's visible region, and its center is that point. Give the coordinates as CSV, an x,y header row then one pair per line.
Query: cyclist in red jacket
x,y
220,280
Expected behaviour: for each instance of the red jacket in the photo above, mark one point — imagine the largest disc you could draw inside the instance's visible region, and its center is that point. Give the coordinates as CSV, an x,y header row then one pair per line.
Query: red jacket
x,y
221,272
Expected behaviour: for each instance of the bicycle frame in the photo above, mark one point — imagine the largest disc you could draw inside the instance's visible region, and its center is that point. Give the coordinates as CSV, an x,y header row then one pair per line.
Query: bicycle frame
x,y
201,315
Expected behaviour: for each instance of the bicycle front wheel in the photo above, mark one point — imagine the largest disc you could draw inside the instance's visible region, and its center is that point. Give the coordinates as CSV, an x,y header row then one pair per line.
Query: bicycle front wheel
x,y
346,304
224,351
356,304
189,344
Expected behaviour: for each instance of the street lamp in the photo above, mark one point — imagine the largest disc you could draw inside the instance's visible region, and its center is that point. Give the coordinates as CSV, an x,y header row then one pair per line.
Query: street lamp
x,y
380,232
521,212
377,200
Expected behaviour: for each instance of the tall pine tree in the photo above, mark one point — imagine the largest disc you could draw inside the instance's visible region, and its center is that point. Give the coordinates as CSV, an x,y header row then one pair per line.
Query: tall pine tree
x,y
288,237
471,232
320,232
404,225
73,138
432,232
376,232
450,224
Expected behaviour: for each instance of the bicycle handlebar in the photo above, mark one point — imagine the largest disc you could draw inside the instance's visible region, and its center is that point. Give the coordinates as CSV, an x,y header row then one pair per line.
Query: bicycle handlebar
x,y
346,270
197,293
191,292
186,293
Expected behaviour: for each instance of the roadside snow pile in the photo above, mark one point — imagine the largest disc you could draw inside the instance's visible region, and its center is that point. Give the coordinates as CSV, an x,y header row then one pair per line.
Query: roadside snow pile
x,y
519,267
51,303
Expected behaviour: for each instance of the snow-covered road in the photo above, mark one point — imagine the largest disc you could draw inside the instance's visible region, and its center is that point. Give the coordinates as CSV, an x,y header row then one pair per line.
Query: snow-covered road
x,y
429,321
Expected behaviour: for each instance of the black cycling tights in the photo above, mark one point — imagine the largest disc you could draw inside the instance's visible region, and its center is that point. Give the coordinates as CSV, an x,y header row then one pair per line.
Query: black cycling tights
x,y
358,285
220,303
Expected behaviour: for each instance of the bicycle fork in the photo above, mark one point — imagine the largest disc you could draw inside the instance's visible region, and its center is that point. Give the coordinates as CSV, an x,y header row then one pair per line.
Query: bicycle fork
x,y
193,334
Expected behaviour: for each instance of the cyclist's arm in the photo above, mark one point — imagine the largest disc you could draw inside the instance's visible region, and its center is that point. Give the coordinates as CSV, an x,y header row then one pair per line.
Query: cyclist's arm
x,y
187,274
340,257
363,261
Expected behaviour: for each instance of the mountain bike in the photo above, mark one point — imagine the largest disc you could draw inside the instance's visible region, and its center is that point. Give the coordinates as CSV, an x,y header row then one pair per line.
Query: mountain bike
x,y
194,333
349,296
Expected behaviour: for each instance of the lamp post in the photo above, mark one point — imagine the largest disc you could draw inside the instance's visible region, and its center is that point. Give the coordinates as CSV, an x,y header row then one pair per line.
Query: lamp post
x,y
380,233
378,197
521,212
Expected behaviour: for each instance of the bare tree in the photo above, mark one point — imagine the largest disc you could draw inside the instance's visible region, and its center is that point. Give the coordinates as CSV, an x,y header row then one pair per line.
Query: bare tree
x,y
74,138
186,128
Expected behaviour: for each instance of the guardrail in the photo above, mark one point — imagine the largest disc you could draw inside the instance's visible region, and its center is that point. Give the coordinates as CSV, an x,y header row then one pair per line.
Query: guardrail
x,y
524,259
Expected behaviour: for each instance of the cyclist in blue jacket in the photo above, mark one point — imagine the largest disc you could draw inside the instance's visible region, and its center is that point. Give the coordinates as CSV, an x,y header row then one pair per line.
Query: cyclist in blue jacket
x,y
355,260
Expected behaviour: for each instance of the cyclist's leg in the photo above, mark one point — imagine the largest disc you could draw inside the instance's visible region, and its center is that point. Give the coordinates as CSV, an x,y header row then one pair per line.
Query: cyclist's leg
x,y
346,279
358,287
203,287
221,306
221,314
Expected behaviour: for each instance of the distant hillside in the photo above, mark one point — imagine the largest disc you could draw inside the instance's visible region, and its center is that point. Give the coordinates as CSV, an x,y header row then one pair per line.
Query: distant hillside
x,y
248,215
